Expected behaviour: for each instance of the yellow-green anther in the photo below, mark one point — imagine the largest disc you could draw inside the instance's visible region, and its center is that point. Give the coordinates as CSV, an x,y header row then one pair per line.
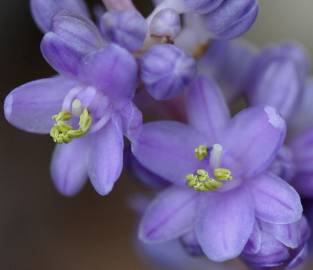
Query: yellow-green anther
x,y
62,132
201,181
222,174
201,152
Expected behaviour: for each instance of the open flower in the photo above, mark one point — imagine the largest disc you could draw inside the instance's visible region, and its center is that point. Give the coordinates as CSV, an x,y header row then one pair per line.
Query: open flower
x,y
86,109
218,167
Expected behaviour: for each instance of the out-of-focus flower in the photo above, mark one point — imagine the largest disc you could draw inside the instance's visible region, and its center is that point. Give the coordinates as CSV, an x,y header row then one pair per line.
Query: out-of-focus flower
x,y
88,106
277,245
221,62
278,76
166,71
43,11
302,118
218,168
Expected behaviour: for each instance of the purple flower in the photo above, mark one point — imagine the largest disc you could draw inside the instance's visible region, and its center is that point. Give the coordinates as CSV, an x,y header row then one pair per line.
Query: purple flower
x,y
90,103
224,158
277,77
166,71
126,28
44,10
273,245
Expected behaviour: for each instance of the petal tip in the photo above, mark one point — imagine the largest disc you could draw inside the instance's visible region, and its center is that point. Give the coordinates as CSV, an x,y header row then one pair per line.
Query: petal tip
x,y
274,118
8,104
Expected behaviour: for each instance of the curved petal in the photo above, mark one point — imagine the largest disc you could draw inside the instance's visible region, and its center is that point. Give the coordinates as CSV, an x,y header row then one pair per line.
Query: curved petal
x,y
69,166
291,235
254,243
127,28
43,11
206,108
131,119
275,200
226,227
253,139
70,40
277,85
167,149
31,106
112,70
169,216
106,158
60,55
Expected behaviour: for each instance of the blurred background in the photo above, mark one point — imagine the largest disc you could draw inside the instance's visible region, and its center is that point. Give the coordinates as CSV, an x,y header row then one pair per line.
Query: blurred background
x,y
39,229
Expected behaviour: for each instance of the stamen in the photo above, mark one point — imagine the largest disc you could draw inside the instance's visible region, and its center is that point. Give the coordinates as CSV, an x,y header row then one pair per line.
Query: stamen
x,y
62,132
222,174
201,152
202,182
216,156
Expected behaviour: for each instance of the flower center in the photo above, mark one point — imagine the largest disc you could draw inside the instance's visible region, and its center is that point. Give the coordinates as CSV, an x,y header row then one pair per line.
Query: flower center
x,y
201,180
63,132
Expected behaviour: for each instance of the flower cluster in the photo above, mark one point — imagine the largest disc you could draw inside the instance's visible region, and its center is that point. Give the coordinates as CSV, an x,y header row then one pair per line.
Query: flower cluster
x,y
228,152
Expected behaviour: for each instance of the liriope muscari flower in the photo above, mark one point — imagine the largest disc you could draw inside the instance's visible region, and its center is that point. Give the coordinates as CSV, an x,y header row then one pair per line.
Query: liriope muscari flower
x,y
218,168
277,77
86,109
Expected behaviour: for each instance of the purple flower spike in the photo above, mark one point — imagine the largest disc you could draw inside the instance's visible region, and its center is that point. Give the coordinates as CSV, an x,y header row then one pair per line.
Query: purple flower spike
x,y
277,245
44,10
166,23
126,28
166,71
232,18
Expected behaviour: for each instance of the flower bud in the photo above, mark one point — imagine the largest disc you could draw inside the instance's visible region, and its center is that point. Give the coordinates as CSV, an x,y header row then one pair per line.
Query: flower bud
x,y
281,245
126,28
232,18
166,23
166,70
43,11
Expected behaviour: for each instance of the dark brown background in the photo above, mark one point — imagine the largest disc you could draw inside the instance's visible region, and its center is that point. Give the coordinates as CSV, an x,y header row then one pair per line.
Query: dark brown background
x,y
39,229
